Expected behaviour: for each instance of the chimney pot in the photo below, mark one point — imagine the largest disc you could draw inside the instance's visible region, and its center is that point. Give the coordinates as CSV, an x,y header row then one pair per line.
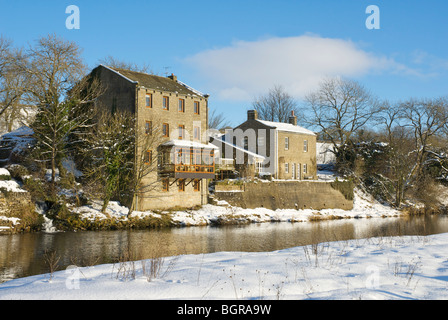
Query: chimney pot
x,y
173,77
293,118
252,115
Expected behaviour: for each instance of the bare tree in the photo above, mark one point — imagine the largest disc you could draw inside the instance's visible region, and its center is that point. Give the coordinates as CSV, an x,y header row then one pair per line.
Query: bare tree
x,y
145,178
426,118
123,157
12,80
413,130
54,69
217,121
339,108
276,105
121,64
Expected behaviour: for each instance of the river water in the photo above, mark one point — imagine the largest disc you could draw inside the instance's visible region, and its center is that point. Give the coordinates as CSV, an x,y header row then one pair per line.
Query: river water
x,y
24,254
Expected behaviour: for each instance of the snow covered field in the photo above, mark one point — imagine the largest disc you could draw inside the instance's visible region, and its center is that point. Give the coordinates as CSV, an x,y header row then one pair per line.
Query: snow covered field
x,y
407,267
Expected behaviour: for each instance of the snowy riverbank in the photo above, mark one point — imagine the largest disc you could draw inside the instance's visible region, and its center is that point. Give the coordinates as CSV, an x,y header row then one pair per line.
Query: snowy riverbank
x,y
364,206
407,267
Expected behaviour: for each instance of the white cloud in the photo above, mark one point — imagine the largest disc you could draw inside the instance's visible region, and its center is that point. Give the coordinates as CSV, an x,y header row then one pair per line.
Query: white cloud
x,y
246,69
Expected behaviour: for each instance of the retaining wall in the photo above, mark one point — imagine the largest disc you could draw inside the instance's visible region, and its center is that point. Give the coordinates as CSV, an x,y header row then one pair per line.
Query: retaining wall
x,y
285,195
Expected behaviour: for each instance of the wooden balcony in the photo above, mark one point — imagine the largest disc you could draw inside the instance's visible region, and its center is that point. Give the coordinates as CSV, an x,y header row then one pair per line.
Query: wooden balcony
x,y
186,160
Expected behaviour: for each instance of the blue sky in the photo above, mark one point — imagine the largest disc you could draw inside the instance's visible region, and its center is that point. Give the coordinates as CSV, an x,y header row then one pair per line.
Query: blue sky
x,y
237,50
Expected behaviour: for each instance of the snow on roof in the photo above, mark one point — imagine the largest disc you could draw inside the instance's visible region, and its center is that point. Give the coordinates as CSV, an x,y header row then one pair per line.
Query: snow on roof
x,y
115,71
191,89
287,127
188,143
156,82
253,154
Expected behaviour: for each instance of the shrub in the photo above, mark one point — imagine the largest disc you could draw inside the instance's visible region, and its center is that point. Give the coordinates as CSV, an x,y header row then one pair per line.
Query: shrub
x,y
345,187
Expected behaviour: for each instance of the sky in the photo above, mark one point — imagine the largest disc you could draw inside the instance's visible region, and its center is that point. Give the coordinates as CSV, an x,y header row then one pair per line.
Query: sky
x,y
236,51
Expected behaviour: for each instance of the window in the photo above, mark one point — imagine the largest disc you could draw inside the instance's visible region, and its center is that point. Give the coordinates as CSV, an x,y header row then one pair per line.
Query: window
x,y
166,129
166,103
305,168
165,184
305,146
181,105
286,167
246,143
197,185
181,131
148,127
149,100
196,107
286,143
293,174
181,185
148,157
197,133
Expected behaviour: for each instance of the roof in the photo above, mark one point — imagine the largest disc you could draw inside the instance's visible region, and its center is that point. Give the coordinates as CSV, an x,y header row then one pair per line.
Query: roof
x,y
250,153
281,126
151,81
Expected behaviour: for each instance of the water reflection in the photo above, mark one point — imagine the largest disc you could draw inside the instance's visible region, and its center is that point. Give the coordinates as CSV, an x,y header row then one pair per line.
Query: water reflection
x,y
22,254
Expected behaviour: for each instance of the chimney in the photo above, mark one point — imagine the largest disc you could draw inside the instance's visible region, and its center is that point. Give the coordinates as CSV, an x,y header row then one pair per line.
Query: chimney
x,y
252,115
173,77
293,118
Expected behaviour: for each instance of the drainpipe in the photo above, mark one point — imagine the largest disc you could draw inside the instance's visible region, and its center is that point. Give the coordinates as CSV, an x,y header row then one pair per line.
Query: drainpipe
x,y
136,165
204,190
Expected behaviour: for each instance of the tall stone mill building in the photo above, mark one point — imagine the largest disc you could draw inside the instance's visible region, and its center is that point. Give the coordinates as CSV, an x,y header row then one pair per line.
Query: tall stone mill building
x,y
184,158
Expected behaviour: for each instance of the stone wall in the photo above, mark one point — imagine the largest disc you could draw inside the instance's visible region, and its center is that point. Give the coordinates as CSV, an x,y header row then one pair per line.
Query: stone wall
x,y
287,195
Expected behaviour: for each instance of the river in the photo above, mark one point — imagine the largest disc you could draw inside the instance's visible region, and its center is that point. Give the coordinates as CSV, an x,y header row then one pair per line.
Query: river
x,y
24,254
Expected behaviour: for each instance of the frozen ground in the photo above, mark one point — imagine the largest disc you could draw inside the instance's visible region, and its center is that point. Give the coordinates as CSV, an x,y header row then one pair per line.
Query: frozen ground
x,y
375,268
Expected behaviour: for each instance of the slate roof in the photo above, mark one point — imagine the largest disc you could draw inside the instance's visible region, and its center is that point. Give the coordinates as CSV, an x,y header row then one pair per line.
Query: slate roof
x,y
156,82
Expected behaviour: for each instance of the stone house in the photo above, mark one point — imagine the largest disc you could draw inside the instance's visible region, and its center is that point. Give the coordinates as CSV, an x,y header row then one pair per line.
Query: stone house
x,y
289,150
184,158
232,159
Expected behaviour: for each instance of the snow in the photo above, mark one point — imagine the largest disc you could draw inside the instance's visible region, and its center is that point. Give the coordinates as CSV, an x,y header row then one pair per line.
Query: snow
x,y
223,144
364,206
117,72
93,211
4,172
406,267
395,268
11,186
288,127
324,153
13,220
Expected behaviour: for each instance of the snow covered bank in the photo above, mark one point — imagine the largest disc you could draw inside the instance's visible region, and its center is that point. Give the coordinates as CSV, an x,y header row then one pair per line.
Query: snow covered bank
x,y
406,267
364,207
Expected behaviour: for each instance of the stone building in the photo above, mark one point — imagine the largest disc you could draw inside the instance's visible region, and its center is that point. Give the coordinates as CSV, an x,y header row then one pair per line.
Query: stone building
x,y
289,150
184,158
